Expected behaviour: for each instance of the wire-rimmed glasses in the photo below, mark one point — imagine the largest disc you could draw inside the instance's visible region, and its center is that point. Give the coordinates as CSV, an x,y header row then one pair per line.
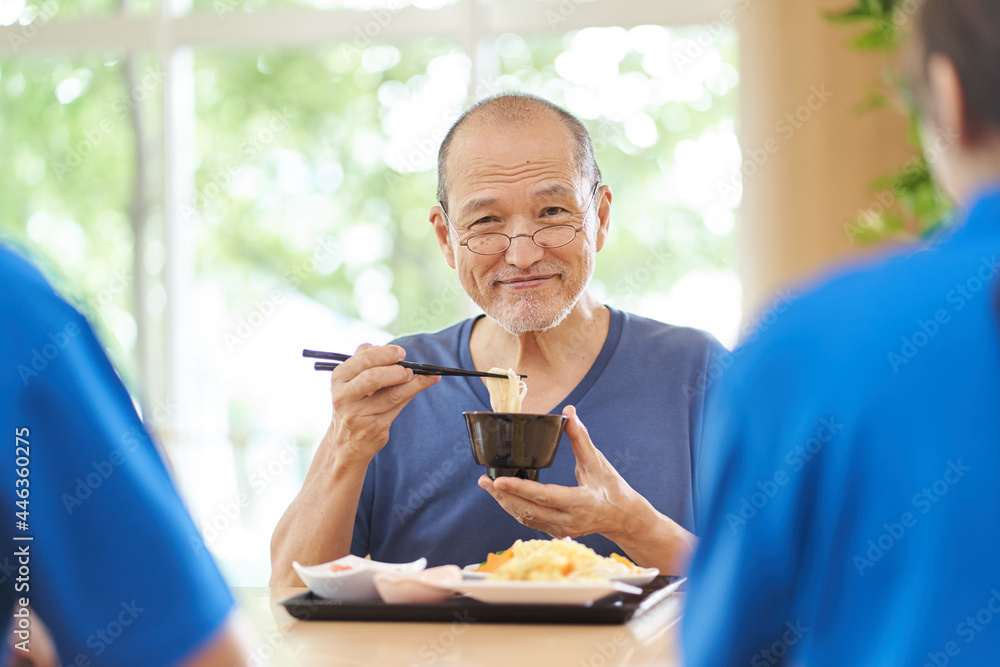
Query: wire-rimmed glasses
x,y
551,236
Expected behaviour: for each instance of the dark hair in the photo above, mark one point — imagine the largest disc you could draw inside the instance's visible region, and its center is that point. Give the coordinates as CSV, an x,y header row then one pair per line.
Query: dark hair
x,y
967,32
513,108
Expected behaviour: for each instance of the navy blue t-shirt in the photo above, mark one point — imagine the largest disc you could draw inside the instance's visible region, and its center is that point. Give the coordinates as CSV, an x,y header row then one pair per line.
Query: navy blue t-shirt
x,y
641,402
852,472
115,566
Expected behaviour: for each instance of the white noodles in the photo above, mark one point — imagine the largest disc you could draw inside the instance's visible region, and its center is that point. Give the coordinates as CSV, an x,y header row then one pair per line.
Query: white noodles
x,y
506,394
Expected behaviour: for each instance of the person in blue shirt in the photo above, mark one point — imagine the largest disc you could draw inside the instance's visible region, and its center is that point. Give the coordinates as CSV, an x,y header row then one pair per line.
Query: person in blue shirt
x,y
851,464
97,544
521,219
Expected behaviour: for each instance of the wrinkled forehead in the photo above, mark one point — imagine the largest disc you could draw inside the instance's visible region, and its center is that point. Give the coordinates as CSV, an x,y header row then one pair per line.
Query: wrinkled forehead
x,y
487,153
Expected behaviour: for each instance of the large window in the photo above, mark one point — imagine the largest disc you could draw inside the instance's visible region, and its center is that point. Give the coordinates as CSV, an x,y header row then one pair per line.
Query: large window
x,y
71,185
263,185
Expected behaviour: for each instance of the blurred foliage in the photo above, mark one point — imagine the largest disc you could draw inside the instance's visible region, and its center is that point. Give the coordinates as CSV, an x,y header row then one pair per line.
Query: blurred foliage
x,y
320,179
324,177
879,18
648,219
66,176
908,202
315,172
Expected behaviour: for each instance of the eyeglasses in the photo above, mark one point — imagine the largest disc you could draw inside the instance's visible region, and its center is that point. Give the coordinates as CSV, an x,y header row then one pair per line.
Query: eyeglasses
x,y
551,236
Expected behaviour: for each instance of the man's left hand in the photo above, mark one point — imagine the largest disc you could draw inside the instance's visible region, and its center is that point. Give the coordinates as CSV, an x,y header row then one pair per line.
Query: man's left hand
x,y
602,502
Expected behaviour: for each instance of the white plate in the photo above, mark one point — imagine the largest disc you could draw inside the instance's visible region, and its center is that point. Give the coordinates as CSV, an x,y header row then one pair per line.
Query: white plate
x,y
353,584
638,579
541,592
431,585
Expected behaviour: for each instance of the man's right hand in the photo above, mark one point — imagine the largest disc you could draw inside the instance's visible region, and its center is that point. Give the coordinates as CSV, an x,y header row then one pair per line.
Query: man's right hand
x,y
368,390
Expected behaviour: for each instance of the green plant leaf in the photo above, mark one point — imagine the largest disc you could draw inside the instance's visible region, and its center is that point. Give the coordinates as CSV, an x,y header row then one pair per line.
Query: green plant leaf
x,y
913,189
879,38
891,222
875,98
888,6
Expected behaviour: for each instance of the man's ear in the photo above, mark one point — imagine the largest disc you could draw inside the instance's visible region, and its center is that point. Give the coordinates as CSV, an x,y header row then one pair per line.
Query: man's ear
x,y
603,205
951,108
443,234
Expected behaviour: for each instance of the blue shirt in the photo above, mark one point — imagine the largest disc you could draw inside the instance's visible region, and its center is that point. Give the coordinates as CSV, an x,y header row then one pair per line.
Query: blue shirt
x,y
116,568
639,401
852,468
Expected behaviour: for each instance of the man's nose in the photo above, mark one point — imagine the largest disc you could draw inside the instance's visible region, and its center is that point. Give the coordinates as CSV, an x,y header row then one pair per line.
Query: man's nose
x,y
523,252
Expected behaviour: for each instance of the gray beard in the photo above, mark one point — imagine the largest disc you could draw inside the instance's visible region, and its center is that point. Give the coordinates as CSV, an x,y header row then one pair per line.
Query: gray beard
x,y
529,315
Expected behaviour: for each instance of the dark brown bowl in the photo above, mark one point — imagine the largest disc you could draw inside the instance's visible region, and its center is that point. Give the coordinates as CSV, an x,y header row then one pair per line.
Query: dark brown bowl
x,y
512,444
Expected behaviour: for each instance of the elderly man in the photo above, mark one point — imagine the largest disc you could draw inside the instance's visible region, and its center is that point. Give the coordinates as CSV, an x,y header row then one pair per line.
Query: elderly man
x,y
521,219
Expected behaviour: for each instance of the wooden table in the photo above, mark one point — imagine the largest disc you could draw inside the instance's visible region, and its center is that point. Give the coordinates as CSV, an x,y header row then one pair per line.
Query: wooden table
x,y
279,639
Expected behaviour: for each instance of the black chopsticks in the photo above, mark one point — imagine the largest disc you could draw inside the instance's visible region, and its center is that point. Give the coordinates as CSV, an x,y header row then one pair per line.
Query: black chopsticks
x,y
418,369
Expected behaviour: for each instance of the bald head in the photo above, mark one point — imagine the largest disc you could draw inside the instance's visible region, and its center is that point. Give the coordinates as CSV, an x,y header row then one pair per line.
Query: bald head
x,y
512,109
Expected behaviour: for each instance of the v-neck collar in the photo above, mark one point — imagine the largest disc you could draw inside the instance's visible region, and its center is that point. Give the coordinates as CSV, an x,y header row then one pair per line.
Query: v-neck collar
x,y
579,391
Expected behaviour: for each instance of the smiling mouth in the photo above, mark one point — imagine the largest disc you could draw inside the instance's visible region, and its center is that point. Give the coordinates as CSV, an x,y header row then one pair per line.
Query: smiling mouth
x,y
526,282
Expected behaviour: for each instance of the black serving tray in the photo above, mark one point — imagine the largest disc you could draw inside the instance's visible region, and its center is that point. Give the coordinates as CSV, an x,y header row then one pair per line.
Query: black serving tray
x,y
612,610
